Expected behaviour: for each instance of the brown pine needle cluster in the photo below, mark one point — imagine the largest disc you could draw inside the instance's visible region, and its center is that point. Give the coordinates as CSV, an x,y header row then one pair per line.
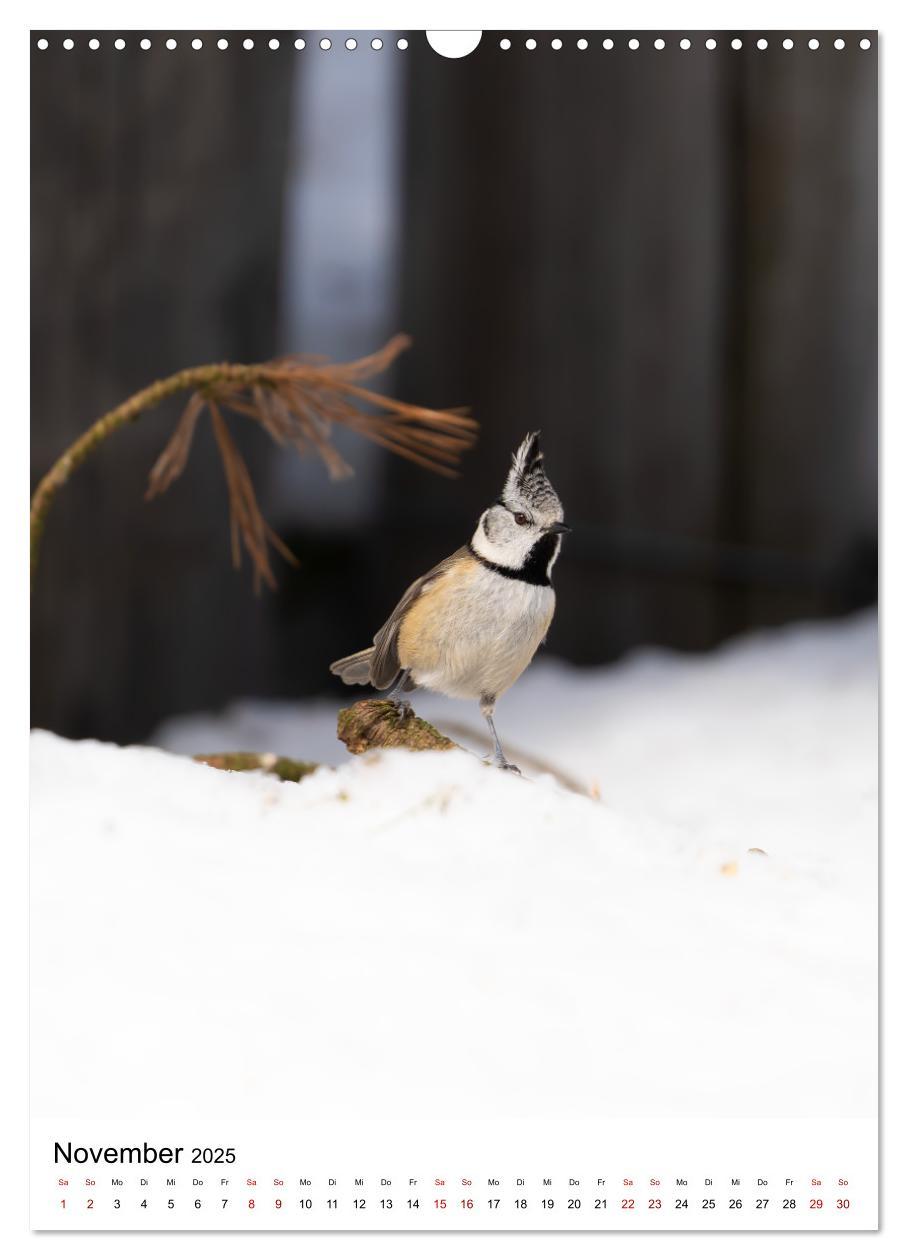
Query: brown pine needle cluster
x,y
297,400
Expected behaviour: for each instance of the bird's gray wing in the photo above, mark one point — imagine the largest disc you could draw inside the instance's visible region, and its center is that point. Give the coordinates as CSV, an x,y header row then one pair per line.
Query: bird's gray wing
x,y
385,662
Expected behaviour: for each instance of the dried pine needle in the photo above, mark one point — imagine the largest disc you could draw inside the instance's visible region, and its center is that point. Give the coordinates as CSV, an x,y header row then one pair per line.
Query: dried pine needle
x,y
296,400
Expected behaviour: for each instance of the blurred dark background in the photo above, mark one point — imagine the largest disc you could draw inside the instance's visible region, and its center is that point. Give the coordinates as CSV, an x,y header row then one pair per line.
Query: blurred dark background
x,y
667,261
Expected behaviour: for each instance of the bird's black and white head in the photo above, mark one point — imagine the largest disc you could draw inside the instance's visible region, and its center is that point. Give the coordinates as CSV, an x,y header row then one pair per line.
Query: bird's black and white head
x,y
521,532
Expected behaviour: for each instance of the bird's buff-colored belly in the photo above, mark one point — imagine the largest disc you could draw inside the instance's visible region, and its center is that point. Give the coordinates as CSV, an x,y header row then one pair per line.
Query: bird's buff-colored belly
x,y
473,632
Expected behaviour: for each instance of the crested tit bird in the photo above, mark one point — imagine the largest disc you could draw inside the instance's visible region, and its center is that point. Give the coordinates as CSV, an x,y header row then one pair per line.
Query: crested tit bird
x,y
469,627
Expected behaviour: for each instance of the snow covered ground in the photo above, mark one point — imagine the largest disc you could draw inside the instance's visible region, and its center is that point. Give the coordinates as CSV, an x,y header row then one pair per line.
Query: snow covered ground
x,y
418,939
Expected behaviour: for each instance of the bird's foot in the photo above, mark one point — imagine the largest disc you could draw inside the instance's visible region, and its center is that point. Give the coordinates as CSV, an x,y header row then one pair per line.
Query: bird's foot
x,y
501,764
403,708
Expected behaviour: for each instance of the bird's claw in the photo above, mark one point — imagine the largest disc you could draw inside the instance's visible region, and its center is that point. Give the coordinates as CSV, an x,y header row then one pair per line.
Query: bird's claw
x,y
501,764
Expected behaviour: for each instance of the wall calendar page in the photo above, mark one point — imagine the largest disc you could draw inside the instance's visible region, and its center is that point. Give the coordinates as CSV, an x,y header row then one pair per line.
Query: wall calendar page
x,y
453,541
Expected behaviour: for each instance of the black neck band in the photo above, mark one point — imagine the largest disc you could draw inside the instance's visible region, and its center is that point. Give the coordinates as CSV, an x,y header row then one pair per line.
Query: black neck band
x,y
534,570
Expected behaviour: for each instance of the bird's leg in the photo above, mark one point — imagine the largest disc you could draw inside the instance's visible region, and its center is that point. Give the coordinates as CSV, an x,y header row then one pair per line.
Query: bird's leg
x,y
487,706
404,707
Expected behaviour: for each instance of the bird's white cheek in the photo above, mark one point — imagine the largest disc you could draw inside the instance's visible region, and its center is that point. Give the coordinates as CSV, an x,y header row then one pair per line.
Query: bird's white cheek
x,y
509,552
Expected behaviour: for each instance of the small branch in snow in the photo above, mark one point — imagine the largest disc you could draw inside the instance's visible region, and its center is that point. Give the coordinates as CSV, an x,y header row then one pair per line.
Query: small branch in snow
x,y
281,767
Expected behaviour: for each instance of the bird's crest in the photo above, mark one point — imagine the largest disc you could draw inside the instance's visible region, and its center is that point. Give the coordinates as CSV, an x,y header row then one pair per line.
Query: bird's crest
x,y
527,481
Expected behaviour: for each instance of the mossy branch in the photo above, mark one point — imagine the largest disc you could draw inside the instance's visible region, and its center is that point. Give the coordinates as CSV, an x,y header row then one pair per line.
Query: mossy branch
x,y
366,725
284,768
372,724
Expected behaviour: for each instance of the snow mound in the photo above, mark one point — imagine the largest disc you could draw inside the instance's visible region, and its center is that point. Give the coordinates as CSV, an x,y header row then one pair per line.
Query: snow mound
x,y
419,925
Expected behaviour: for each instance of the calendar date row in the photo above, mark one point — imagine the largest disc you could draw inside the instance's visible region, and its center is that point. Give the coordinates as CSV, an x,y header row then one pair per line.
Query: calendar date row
x,y
454,1205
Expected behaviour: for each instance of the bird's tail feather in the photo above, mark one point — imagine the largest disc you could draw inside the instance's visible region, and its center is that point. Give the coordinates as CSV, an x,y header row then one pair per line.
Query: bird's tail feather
x,y
356,668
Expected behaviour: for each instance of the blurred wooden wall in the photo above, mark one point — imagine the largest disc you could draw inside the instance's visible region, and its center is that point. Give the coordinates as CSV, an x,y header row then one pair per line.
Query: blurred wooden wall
x,y
667,261
156,208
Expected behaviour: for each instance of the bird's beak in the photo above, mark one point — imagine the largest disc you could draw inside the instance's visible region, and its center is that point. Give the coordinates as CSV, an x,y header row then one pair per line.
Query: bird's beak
x,y
560,528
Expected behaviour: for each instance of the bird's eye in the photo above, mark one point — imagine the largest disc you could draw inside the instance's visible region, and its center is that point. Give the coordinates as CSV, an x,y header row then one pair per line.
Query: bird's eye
x,y
521,519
